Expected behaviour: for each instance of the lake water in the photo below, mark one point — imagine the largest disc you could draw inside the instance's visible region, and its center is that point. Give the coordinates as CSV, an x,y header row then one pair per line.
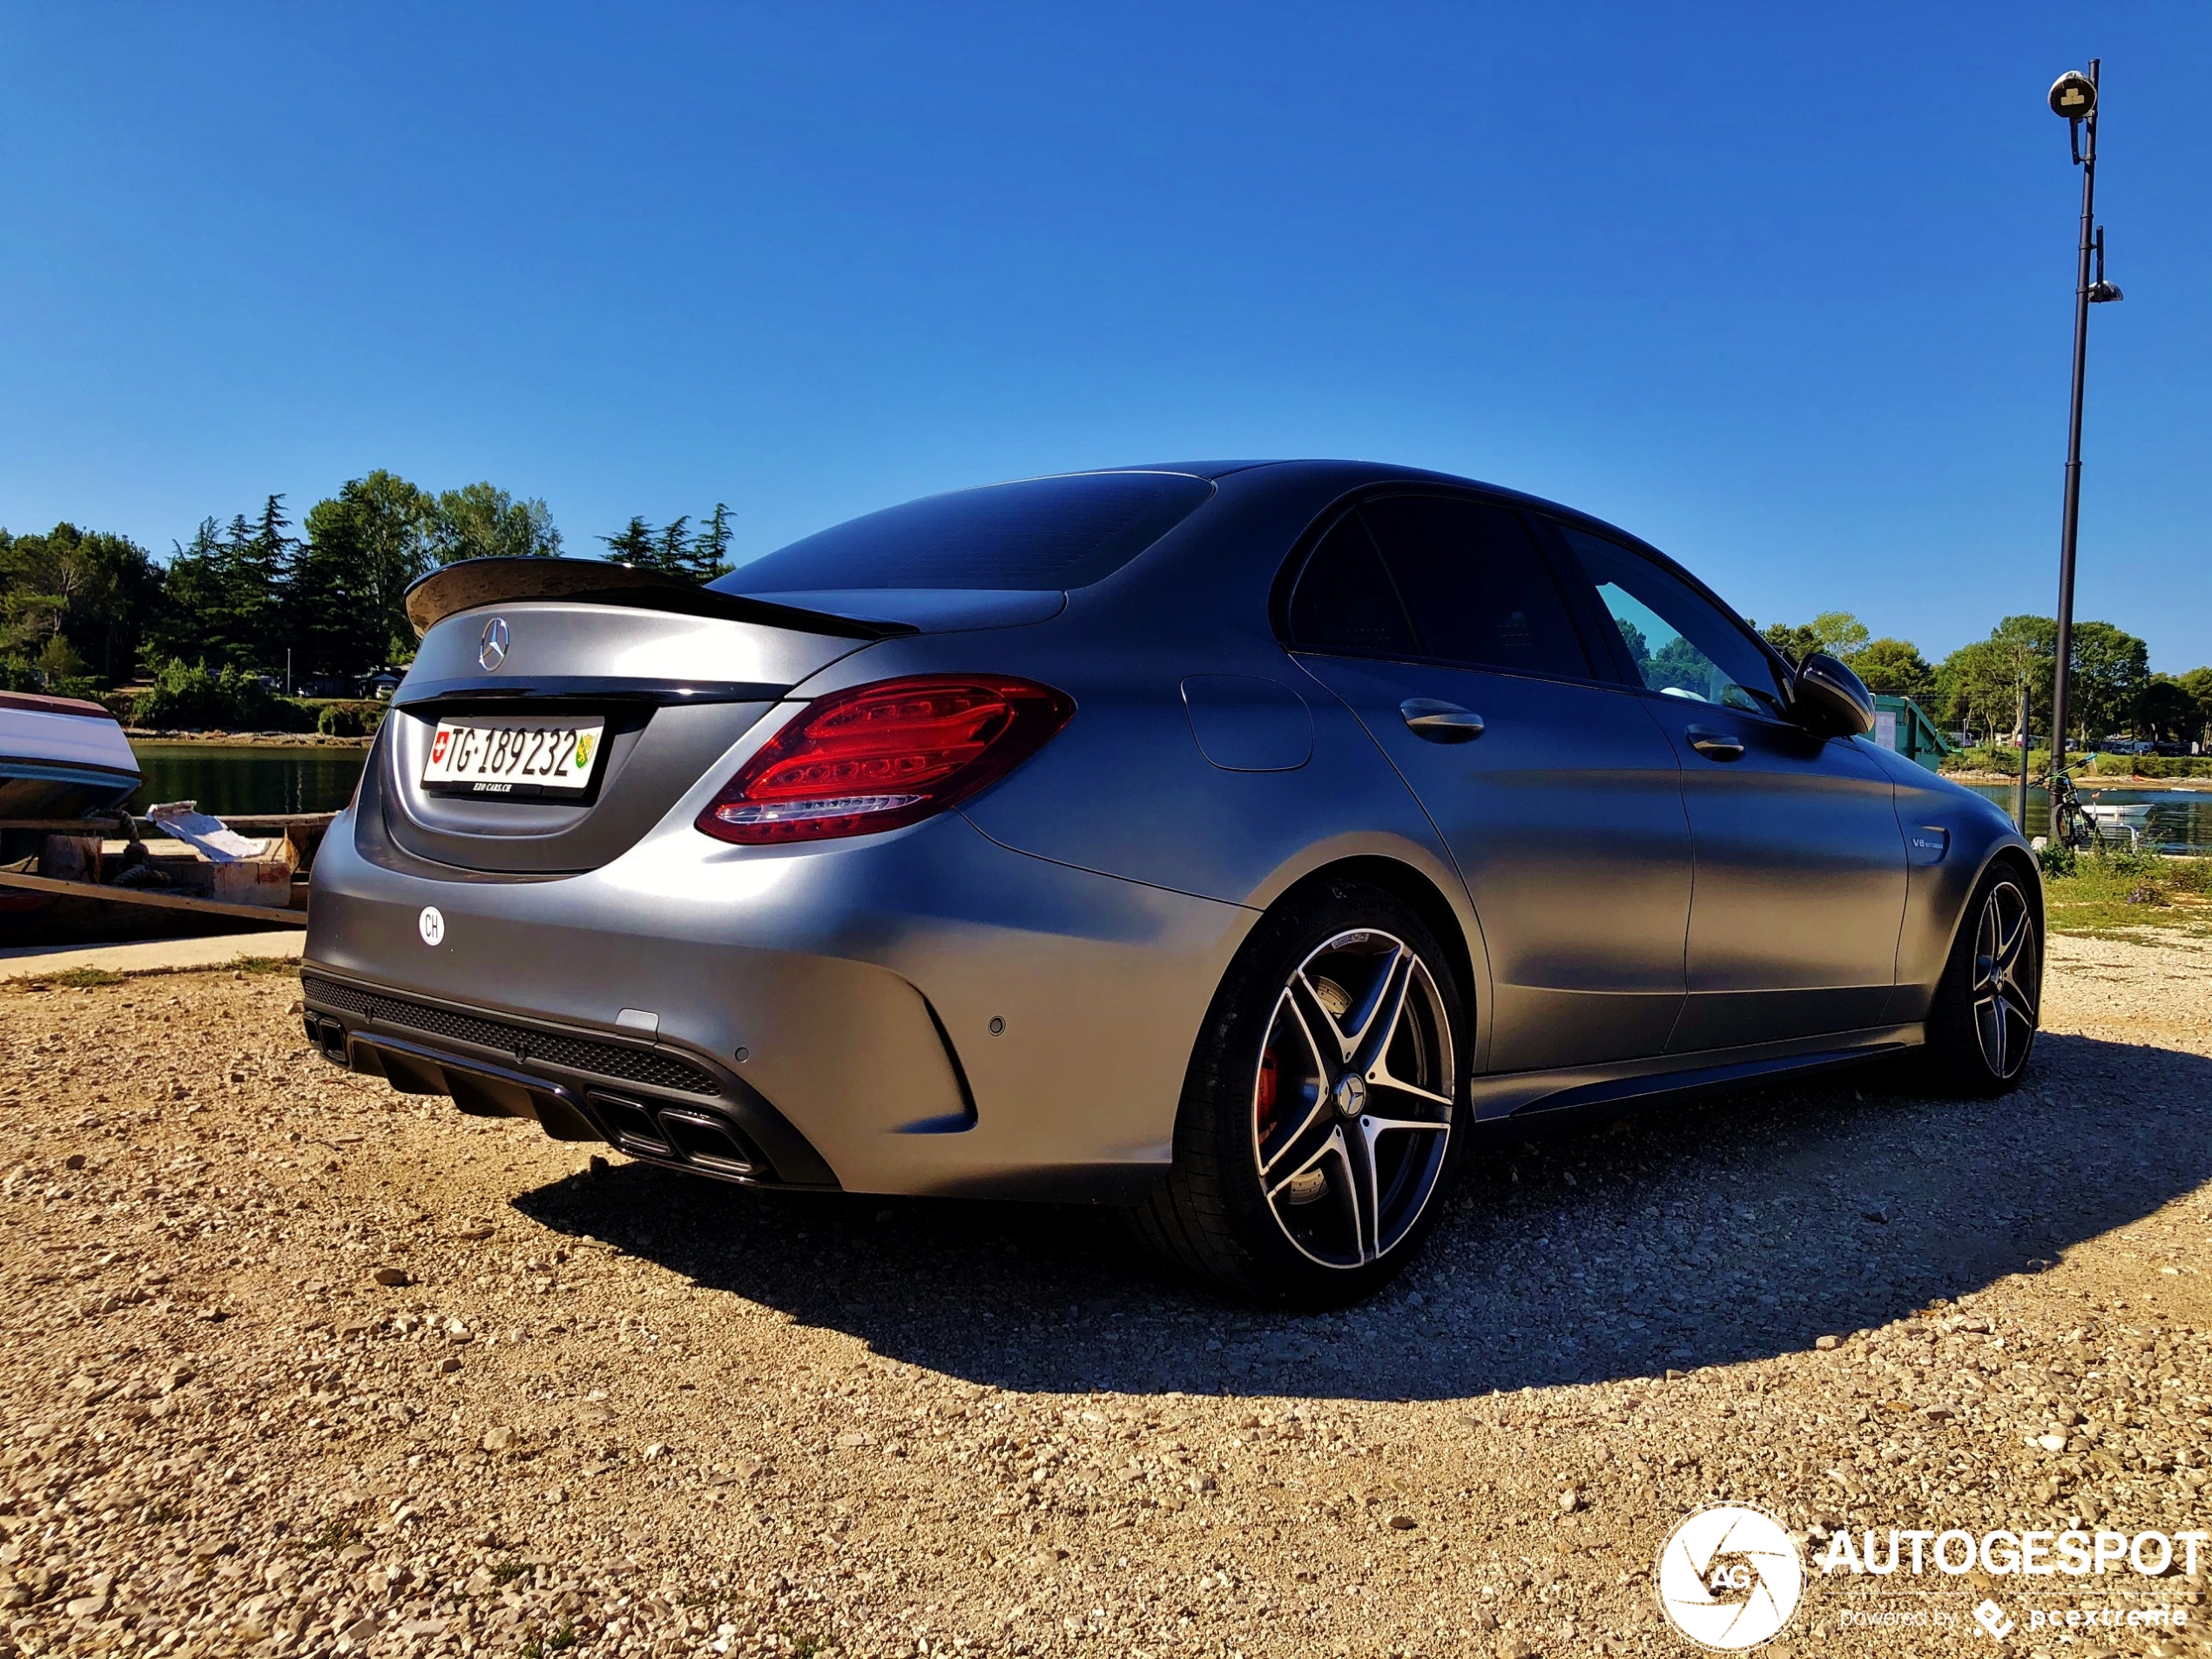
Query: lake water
x,y
233,781
2181,819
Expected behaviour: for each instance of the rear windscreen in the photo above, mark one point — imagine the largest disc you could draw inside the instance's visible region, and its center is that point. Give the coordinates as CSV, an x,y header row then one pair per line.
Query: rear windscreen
x,y
1066,532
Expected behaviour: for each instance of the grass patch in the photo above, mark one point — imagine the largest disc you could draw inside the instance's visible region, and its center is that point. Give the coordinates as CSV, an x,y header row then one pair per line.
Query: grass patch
x,y
2126,894
508,1572
74,979
332,1534
268,965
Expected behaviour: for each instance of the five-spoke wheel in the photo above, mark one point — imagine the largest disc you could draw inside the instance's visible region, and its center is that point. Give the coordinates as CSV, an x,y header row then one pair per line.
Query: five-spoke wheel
x,y
1981,1028
2005,985
1325,1106
1351,1102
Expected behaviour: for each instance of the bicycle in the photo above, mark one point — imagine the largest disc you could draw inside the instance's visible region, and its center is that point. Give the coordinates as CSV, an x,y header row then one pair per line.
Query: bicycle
x,y
2071,825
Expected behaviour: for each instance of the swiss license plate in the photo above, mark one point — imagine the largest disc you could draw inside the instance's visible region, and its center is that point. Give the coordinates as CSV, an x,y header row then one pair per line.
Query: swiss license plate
x,y
517,758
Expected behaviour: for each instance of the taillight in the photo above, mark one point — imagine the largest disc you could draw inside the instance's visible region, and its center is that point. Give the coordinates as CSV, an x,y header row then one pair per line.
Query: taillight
x,y
880,756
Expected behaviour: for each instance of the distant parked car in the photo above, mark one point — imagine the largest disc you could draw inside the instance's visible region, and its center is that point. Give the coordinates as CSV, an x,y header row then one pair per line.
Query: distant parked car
x,y
2121,746
1237,843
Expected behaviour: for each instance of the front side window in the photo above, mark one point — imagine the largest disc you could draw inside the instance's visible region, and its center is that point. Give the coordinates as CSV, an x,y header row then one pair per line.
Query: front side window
x,y
1683,645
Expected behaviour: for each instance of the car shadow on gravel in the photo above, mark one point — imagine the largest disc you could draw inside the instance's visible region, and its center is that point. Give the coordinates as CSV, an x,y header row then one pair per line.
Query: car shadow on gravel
x,y
1703,1234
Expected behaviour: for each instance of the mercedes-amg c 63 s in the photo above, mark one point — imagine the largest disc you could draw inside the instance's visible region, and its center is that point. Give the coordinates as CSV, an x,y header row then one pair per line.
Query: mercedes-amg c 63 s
x,y
1238,843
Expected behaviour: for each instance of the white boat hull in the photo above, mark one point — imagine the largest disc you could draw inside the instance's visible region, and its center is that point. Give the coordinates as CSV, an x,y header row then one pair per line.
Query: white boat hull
x,y
60,758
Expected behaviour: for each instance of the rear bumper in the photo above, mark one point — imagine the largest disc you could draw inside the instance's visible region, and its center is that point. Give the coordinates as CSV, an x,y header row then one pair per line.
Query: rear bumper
x,y
859,980
575,1085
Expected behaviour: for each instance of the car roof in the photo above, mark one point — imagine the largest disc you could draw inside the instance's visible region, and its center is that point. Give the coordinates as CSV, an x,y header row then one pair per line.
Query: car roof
x,y
1352,475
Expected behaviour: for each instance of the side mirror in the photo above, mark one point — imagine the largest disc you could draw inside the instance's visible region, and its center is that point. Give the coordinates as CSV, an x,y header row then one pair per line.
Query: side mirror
x,y
1833,702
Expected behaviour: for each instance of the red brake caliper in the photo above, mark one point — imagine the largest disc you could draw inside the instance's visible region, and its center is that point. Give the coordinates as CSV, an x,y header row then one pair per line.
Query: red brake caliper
x,y
1266,1107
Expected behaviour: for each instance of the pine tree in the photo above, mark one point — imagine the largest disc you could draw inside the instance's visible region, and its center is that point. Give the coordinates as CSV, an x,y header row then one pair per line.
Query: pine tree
x,y
634,545
674,550
674,555
711,553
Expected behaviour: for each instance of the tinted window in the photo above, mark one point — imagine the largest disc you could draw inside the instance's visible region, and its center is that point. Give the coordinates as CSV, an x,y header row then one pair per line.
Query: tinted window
x,y
1475,586
1345,601
1683,645
1041,533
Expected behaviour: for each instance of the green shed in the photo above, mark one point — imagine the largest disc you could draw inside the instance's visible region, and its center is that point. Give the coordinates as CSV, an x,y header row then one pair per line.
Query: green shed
x,y
1902,724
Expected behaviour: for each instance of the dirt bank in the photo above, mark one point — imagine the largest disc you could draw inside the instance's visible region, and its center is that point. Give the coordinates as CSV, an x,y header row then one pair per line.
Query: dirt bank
x,y
297,1365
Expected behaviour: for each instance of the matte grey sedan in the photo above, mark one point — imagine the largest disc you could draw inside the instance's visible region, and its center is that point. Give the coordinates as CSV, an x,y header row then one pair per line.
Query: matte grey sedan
x,y
1238,843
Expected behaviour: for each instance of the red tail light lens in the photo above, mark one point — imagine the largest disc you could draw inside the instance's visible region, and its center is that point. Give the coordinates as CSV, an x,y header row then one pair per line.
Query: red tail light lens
x,y
880,756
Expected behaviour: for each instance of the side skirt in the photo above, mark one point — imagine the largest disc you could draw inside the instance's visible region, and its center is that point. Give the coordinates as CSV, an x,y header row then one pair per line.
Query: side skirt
x,y
1517,1103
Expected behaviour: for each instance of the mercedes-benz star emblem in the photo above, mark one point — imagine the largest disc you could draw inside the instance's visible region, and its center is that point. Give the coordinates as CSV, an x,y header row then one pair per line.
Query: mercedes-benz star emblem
x,y
1350,1094
493,652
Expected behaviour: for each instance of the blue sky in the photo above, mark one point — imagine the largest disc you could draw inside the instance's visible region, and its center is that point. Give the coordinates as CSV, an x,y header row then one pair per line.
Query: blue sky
x,y
1787,289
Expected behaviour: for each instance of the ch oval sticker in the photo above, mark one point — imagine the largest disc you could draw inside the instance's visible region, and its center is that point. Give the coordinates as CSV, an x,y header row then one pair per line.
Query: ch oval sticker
x,y
431,924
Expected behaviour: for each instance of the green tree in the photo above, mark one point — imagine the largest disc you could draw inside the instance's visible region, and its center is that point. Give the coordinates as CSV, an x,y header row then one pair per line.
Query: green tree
x,y
95,589
2111,667
365,546
711,553
2166,711
482,522
1894,666
2198,684
1795,644
1839,633
222,597
1978,685
674,550
633,545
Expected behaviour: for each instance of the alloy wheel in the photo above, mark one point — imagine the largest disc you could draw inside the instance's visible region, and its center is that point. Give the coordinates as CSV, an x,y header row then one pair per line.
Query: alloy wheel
x,y
2005,980
1352,1104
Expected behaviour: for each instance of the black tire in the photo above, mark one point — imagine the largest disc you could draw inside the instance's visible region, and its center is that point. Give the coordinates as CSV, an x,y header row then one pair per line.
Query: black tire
x,y
1357,1152
1982,1023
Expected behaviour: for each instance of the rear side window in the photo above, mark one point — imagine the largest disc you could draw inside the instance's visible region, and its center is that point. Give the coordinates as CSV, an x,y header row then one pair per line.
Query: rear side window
x,y
1041,533
1345,600
1434,576
1474,585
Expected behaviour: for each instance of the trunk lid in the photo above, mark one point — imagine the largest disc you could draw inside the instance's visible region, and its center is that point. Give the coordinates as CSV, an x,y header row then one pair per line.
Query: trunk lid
x,y
676,674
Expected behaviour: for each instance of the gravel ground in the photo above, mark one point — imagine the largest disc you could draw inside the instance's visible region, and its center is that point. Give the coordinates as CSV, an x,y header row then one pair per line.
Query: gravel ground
x,y
293,1363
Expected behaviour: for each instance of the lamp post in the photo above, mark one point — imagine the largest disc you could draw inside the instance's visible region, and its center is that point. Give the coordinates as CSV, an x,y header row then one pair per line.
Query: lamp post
x,y
2074,95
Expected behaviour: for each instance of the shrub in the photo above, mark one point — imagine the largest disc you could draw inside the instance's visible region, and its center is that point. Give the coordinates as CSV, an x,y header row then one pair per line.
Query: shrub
x,y
1983,758
192,697
2056,858
2154,765
338,720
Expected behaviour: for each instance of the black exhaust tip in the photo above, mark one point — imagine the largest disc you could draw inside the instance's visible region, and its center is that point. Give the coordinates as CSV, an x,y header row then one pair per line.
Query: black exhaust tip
x,y
708,1142
630,1126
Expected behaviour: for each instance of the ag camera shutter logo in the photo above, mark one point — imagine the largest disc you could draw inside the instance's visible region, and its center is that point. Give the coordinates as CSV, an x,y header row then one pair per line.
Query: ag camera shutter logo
x,y
1729,1578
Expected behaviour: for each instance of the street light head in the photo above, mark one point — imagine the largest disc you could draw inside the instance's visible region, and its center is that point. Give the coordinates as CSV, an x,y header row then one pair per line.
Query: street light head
x,y
2102,293
2074,95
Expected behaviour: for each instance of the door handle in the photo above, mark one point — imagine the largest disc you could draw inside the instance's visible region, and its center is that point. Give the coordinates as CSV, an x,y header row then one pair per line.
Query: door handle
x,y
1714,744
1440,722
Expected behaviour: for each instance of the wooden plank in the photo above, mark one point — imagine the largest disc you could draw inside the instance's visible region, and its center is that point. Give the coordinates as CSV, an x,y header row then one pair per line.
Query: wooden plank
x,y
263,822
274,916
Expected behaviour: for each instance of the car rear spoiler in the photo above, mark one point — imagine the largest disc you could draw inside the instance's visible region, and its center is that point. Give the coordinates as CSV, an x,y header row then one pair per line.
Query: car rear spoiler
x,y
599,581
